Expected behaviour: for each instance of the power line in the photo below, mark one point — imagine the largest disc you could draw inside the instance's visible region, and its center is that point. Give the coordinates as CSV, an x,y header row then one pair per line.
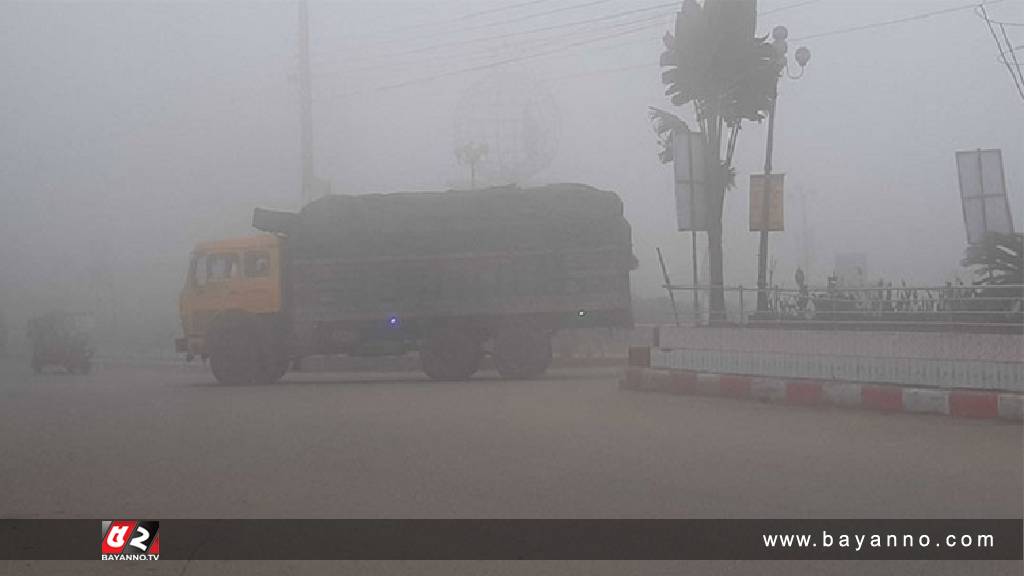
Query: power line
x,y
601,72
506,61
848,30
1013,53
522,18
606,17
558,47
788,7
560,44
889,22
817,35
1018,80
461,18
470,41
500,9
1002,22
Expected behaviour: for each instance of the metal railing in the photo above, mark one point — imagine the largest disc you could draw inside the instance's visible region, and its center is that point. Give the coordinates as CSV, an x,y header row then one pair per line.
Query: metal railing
x,y
981,308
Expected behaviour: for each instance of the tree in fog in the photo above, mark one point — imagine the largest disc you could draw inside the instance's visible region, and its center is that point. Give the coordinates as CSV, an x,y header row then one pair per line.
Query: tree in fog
x,y
715,62
999,258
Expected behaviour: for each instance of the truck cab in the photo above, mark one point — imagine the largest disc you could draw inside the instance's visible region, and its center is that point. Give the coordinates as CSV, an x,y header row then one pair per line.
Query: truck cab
x,y
226,278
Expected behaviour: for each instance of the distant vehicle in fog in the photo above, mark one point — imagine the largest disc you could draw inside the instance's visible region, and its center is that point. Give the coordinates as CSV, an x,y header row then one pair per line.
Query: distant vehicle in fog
x,y
455,275
61,339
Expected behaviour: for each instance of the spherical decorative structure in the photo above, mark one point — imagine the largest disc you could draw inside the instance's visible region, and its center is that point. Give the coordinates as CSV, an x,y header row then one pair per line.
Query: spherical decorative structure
x,y
514,119
803,56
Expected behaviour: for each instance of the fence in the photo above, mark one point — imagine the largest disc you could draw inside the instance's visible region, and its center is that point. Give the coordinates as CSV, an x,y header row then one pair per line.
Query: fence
x,y
982,308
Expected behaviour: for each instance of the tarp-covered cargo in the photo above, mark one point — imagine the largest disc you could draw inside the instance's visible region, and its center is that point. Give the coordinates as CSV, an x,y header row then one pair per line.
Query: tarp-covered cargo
x,y
557,250
431,223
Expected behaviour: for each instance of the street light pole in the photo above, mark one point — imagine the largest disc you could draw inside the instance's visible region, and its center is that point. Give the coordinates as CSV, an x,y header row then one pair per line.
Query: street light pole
x,y
803,55
766,195
306,105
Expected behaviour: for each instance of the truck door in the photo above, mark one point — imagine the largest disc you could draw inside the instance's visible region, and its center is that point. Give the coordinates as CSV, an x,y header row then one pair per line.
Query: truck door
x,y
214,279
258,291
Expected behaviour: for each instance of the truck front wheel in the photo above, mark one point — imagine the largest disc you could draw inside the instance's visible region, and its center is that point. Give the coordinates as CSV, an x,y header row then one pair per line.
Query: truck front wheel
x,y
522,352
272,368
234,362
451,353
244,350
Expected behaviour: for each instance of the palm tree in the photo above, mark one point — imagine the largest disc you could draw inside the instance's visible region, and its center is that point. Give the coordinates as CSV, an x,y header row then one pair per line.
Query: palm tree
x,y
999,258
999,264
715,63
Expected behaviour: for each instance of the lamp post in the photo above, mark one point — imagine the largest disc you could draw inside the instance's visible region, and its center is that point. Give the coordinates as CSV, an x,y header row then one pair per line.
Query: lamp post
x,y
803,55
471,153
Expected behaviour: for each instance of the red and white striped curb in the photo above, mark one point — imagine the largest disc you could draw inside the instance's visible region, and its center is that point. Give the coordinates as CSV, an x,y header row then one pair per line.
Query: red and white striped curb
x,y
957,403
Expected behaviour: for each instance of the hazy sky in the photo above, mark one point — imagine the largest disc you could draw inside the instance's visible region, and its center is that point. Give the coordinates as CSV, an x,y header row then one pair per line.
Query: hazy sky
x,y
132,130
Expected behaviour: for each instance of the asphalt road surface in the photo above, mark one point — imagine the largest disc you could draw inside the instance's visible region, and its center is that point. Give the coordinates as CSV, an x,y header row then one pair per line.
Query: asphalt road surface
x,y
167,442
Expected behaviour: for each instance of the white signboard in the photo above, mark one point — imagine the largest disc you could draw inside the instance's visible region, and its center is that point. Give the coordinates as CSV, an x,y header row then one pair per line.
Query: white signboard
x,y
983,193
691,180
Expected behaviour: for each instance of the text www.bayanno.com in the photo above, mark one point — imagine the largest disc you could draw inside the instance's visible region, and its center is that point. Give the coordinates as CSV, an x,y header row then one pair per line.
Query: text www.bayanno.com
x,y
858,542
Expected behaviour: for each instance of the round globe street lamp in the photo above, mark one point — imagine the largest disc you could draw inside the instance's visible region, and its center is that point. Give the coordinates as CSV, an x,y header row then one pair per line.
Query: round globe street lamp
x,y
803,56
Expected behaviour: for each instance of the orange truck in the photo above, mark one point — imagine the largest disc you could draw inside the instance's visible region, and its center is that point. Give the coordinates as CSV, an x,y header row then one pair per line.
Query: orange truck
x,y
455,276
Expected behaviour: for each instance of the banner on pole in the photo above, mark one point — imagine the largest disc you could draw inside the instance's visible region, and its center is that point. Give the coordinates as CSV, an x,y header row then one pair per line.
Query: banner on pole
x,y
775,203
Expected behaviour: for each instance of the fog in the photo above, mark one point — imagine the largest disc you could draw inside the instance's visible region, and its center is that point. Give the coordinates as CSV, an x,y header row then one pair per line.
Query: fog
x,y
131,131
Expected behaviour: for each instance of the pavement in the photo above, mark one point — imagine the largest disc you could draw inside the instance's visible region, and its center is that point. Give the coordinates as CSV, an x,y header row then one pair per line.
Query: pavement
x,y
165,441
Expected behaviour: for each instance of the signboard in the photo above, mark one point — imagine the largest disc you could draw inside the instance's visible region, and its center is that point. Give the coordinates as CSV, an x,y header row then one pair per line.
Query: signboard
x,y
983,193
691,180
775,215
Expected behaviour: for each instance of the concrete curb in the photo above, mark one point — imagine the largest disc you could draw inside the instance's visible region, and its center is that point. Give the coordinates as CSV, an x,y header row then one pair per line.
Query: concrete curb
x,y
977,404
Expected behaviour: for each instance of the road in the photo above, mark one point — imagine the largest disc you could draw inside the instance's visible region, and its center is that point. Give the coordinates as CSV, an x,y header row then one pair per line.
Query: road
x,y
167,442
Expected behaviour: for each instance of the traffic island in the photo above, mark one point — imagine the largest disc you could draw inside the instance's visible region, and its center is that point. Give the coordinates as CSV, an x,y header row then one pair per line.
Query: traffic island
x,y
870,372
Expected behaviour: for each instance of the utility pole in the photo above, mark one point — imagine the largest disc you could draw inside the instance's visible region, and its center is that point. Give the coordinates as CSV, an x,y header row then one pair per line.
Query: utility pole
x,y
306,104
803,55
766,195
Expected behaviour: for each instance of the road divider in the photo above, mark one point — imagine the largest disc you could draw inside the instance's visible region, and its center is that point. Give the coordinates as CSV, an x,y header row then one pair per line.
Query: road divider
x,y
640,375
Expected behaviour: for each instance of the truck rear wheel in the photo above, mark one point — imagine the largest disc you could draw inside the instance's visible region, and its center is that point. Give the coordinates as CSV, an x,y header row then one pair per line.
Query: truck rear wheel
x,y
451,353
522,352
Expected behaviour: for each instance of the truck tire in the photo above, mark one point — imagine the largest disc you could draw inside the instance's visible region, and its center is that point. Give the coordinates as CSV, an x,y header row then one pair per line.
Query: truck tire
x,y
234,349
234,364
450,353
272,367
246,349
522,352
